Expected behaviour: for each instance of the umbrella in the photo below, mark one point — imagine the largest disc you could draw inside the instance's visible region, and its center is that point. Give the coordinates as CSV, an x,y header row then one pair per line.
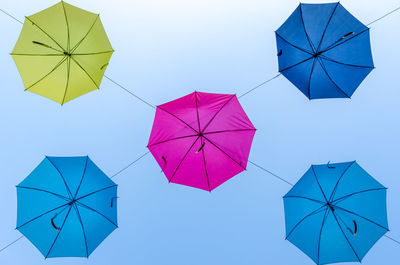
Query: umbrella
x,y
66,207
202,139
324,51
336,213
62,52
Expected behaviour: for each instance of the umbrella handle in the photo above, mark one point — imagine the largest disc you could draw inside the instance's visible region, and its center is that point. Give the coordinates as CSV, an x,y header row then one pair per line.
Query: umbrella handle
x,y
53,224
201,148
329,166
112,200
280,52
355,228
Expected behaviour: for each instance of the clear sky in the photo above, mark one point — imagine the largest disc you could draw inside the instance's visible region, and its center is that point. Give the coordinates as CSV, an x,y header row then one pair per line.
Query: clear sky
x,y
167,49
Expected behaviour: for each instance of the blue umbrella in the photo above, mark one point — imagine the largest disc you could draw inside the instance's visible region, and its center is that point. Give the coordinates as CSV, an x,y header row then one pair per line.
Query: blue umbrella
x,y
66,207
336,213
324,51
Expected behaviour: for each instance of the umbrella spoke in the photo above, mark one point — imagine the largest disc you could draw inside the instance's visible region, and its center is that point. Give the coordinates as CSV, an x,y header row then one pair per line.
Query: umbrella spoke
x,y
95,211
355,193
83,228
326,27
41,190
94,192
87,33
305,198
178,119
337,183
180,163
41,216
291,44
172,139
224,152
320,209
215,115
352,65
59,231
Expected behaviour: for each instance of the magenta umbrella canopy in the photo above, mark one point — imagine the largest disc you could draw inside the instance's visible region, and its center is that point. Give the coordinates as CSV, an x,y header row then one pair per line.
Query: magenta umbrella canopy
x,y
201,140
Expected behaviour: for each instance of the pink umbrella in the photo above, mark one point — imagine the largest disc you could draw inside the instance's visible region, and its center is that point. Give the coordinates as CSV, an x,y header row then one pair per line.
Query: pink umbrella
x,y
202,139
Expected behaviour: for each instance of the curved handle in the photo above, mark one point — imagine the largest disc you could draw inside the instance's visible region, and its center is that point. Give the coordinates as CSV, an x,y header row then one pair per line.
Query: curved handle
x,y
329,165
112,200
355,228
53,224
201,148
347,34
280,52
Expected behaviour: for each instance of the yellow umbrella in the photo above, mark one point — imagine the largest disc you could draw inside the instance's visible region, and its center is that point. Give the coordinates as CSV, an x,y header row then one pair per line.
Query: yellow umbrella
x,y
62,52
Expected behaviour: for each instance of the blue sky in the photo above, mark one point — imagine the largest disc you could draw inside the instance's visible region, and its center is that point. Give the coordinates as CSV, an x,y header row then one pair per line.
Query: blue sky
x,y
167,49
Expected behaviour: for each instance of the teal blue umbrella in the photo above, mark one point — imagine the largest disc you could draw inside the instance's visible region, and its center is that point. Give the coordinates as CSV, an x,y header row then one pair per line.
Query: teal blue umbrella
x,y
336,213
66,207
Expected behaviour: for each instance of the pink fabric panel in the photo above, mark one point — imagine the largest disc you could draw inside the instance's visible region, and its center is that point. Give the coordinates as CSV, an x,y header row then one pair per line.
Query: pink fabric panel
x,y
209,104
167,127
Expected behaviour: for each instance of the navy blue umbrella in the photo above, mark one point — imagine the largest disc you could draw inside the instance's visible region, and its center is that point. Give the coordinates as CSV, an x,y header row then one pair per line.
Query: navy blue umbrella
x,y
324,51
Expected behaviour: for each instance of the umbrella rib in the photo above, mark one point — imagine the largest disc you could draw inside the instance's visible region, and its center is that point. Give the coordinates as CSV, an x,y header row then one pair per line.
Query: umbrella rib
x,y
205,168
90,194
172,139
329,21
83,175
34,23
95,211
65,183
41,216
209,122
28,54
178,119
84,37
291,44
66,21
326,72
304,218
224,152
76,61
55,194
315,175
176,170
305,31
93,53
353,213
51,71
320,232
58,234
348,241
309,80
306,198
289,67
67,83
352,65
337,183
355,193
224,131
335,44
83,228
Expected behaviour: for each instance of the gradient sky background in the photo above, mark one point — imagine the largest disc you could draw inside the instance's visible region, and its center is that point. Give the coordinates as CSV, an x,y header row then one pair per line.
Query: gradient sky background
x,y
167,49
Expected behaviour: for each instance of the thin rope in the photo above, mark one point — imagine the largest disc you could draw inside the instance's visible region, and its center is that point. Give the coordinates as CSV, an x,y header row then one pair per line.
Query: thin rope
x,y
394,240
387,14
263,83
12,243
11,16
271,173
139,98
125,168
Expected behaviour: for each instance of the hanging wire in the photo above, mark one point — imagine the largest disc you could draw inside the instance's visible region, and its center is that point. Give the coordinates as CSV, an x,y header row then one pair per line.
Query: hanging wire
x,y
387,14
271,173
263,83
394,240
12,243
130,92
11,16
125,168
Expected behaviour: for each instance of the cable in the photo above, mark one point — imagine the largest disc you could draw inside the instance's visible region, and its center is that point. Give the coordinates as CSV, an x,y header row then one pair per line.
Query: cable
x,y
145,102
394,240
387,14
12,243
263,83
271,173
11,16
125,168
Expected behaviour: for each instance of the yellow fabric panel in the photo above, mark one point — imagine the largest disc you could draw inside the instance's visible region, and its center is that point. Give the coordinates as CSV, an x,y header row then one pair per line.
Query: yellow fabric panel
x,y
52,21
30,33
95,65
79,21
95,41
79,82
53,86
33,68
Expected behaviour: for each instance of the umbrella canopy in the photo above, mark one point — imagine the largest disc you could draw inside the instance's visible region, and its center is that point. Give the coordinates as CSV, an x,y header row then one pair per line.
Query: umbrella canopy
x,y
336,213
62,52
202,139
324,51
66,207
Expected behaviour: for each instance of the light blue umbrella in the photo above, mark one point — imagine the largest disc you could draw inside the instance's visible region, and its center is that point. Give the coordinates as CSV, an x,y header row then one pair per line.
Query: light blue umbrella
x,y
336,213
324,51
66,207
